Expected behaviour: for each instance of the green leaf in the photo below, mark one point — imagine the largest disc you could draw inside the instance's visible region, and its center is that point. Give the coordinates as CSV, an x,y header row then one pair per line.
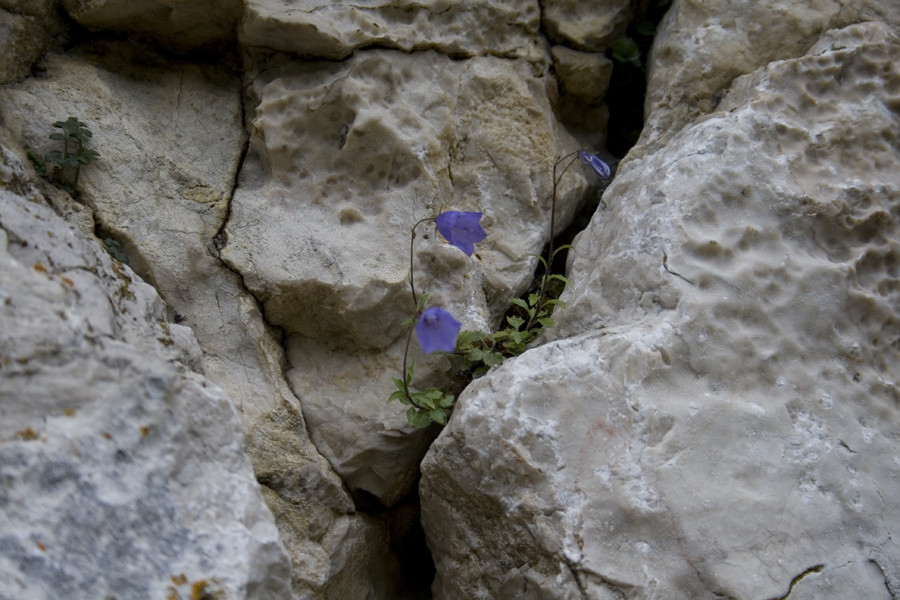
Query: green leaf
x,y
646,27
475,354
558,277
540,258
561,248
545,322
556,302
438,416
447,401
515,322
520,303
532,301
398,395
417,418
492,359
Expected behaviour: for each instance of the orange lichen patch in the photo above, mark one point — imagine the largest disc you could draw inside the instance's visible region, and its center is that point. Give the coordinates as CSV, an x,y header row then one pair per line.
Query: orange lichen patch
x,y
199,591
145,430
179,579
39,267
40,546
28,434
67,281
69,412
107,435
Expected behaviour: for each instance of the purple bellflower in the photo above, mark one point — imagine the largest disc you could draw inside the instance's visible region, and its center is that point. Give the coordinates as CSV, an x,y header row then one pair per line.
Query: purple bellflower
x,y
462,229
593,161
437,330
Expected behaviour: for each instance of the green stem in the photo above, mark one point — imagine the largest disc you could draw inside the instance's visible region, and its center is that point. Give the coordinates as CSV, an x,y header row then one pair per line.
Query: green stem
x,y
543,289
415,298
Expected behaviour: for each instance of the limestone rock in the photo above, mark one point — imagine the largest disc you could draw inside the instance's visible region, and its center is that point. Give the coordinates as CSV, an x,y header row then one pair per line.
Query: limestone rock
x,y
588,26
700,47
124,473
22,41
726,426
334,30
180,25
583,75
345,157
169,149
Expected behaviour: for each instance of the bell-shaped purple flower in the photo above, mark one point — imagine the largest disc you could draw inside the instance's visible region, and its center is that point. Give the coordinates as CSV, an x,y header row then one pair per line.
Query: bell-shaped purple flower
x,y
593,161
437,330
462,229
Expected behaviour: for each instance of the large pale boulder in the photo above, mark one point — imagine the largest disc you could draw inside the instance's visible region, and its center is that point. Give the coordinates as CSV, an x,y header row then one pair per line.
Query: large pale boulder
x,y
124,472
702,45
721,419
315,28
170,141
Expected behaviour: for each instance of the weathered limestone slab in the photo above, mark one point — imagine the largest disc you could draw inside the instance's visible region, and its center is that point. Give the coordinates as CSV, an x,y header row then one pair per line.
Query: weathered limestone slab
x,y
702,45
588,26
345,157
124,472
170,139
726,427
334,30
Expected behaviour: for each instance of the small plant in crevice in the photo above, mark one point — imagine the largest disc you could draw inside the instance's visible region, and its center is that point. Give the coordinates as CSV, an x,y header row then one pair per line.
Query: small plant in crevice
x,y
473,353
63,166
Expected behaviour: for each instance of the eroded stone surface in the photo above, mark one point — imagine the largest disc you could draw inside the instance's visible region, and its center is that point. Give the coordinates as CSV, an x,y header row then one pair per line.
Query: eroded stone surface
x,y
22,41
168,156
726,426
335,29
346,157
587,26
701,46
124,472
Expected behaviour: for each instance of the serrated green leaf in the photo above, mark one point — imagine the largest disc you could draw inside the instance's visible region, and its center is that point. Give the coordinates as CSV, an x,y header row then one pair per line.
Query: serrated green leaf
x,y
475,354
447,401
398,395
545,322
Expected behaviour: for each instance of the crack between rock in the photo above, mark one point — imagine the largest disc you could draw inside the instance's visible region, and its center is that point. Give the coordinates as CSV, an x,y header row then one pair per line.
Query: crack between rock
x,y
814,569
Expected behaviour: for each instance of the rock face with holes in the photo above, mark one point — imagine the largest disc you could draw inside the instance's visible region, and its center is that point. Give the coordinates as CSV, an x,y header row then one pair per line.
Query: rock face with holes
x,y
124,471
717,416
705,45
333,30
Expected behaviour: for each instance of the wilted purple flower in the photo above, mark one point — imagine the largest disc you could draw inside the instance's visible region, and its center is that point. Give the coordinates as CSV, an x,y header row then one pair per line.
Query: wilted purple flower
x,y
593,161
437,330
462,229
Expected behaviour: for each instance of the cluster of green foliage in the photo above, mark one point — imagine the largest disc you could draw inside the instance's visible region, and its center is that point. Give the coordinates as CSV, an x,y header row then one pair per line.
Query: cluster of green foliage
x,y
64,166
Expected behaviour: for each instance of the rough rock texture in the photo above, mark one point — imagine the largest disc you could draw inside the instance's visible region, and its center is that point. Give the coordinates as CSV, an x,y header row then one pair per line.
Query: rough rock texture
x,y
22,41
344,158
124,472
588,26
718,417
702,45
168,157
583,75
335,29
180,25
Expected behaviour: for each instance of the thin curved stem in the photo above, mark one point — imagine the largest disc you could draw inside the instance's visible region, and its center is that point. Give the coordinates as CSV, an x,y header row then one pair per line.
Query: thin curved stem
x,y
543,289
